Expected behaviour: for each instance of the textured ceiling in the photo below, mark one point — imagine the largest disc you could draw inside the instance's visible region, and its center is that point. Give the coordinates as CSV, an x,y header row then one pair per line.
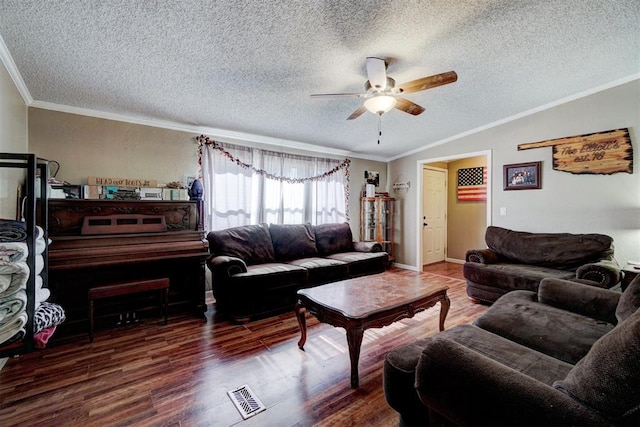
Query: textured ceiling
x,y
248,67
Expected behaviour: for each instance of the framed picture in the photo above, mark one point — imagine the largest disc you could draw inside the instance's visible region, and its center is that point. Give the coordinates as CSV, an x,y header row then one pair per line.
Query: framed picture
x,y
522,176
372,177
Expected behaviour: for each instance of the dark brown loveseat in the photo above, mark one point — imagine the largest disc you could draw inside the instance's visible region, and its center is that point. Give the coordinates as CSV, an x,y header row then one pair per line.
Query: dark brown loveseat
x,y
566,355
518,260
257,269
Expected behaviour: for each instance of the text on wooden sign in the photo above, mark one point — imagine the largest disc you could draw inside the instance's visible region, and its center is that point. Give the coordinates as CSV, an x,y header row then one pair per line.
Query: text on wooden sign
x,y
595,153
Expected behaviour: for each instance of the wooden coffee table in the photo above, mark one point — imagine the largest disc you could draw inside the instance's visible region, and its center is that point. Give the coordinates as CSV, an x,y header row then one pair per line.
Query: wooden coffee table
x,y
368,302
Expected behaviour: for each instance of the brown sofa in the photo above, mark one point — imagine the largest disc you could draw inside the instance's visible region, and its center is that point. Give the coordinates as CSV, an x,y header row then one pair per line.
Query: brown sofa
x,y
257,269
518,260
568,354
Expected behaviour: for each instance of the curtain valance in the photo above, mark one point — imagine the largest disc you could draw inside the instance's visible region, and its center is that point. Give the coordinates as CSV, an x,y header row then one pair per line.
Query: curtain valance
x,y
206,141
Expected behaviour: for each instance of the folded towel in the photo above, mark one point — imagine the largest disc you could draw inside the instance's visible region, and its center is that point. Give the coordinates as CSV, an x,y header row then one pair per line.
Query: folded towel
x,y
18,251
42,294
12,231
13,305
13,252
13,277
19,336
12,327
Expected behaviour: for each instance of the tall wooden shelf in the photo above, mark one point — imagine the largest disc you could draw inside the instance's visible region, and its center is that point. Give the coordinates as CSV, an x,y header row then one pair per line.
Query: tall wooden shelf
x,y
377,221
32,166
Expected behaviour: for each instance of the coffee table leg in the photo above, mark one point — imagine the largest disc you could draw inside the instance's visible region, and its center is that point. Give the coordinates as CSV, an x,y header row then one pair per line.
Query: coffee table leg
x,y
445,303
354,339
302,321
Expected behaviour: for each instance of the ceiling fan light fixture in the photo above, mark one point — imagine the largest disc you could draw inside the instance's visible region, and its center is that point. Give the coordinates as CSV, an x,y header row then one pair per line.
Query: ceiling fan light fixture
x,y
380,104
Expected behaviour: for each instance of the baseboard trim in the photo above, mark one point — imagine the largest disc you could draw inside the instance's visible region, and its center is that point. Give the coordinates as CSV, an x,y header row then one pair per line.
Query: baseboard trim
x,y
405,266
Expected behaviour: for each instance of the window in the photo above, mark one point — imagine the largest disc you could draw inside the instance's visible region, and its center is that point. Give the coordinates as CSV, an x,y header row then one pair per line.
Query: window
x,y
244,185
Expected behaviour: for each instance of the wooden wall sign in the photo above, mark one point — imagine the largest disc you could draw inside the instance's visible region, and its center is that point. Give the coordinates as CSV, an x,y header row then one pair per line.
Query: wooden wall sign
x,y
602,153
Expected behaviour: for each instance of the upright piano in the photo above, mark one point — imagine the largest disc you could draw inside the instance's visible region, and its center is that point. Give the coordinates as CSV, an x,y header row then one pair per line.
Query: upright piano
x,y
103,242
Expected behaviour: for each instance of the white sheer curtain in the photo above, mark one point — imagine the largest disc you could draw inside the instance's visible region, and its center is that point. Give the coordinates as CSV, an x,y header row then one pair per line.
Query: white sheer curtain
x,y
229,206
245,185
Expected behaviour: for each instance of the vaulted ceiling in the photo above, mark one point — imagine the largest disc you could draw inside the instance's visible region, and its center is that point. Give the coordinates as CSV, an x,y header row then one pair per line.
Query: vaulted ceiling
x,y
245,69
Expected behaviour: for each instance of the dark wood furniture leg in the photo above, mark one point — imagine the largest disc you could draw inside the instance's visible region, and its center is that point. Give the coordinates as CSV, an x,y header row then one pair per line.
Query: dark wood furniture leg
x,y
445,303
118,289
302,321
165,304
90,320
354,339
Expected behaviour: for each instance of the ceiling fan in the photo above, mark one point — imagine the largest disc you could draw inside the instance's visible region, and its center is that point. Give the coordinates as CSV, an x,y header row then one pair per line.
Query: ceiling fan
x,y
381,93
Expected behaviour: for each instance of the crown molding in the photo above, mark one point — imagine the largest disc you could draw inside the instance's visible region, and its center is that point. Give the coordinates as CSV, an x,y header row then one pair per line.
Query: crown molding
x,y
209,131
12,69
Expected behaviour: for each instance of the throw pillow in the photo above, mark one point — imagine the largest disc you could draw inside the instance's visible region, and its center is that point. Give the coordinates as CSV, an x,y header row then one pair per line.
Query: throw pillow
x,y
629,300
607,379
333,238
293,241
250,243
553,250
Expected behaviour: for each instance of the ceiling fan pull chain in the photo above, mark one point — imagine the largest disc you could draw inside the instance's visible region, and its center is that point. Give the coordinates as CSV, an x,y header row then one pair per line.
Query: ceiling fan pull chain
x,y
379,127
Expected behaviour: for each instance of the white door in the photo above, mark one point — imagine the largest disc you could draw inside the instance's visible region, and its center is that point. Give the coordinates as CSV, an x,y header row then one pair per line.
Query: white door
x,y
434,211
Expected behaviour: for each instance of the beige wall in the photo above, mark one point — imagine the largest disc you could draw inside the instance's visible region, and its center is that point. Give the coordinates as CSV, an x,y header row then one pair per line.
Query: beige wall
x,y
608,204
466,221
13,139
88,146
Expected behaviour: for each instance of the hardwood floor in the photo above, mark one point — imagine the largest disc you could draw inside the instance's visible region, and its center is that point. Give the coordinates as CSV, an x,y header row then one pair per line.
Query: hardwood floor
x,y
155,375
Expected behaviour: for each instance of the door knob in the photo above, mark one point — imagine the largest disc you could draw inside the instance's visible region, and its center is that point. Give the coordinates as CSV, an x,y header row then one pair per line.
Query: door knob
x,y
424,224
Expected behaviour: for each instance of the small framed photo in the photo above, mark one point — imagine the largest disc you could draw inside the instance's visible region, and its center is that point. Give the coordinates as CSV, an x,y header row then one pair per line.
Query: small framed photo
x,y
372,177
522,176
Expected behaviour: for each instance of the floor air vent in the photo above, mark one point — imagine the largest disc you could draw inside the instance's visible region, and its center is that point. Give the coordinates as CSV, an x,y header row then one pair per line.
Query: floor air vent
x,y
246,402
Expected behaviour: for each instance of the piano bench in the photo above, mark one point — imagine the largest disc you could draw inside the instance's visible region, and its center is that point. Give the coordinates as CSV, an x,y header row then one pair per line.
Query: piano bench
x,y
117,289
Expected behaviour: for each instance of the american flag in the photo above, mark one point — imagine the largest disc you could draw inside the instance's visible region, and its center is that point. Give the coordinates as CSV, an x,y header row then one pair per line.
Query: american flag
x,y
472,184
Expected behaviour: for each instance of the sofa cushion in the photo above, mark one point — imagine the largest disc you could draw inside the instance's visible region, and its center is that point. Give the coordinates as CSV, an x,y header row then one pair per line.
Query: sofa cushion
x,y
293,241
332,238
322,270
362,263
269,276
629,300
581,297
262,290
519,317
251,243
562,250
607,379
510,277
399,377
532,363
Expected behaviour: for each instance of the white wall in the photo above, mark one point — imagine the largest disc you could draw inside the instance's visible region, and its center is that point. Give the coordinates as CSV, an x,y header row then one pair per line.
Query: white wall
x,y
608,204
13,139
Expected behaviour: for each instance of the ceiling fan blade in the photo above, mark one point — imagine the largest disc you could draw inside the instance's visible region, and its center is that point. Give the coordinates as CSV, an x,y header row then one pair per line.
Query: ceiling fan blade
x,y
357,113
408,106
428,82
377,73
338,95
